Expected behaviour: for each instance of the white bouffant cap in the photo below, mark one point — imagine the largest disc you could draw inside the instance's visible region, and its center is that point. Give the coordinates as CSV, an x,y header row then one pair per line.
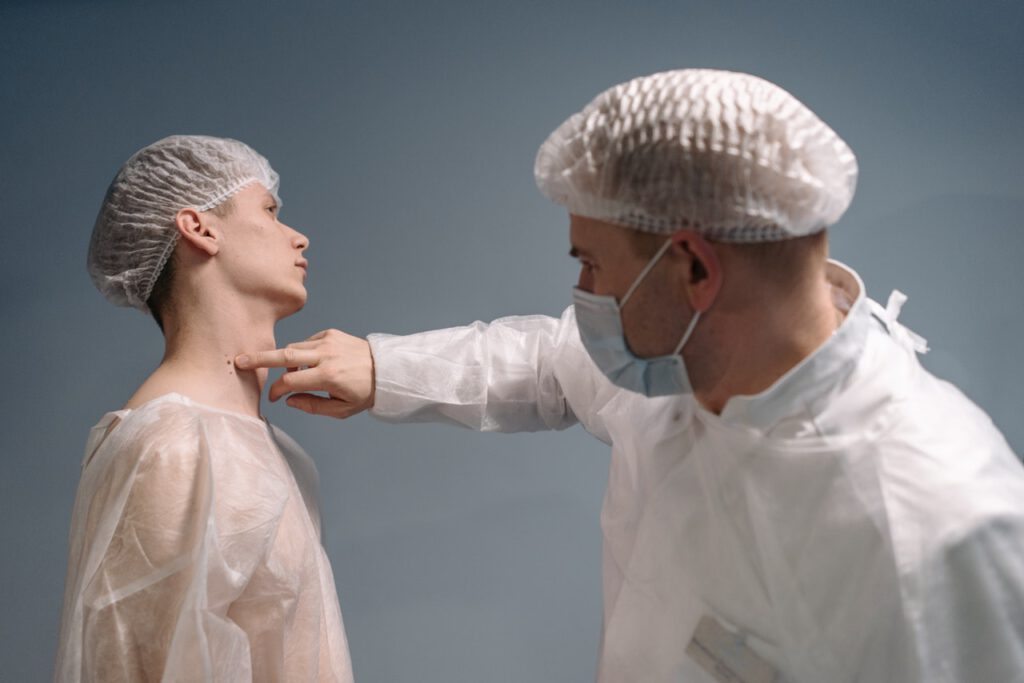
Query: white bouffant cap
x,y
135,231
729,155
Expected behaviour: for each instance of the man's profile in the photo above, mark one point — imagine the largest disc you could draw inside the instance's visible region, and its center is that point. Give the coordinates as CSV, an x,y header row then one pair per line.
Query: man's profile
x,y
195,549
792,496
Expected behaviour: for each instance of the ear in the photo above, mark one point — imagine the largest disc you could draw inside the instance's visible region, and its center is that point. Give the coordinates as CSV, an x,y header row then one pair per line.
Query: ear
x,y
702,271
198,229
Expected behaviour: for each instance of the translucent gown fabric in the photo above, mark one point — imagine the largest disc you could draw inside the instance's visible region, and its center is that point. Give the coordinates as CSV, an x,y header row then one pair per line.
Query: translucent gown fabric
x,y
727,154
195,554
859,521
134,234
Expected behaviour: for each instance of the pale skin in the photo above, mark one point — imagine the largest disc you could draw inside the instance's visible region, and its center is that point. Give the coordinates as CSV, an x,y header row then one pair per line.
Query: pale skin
x,y
755,323
235,277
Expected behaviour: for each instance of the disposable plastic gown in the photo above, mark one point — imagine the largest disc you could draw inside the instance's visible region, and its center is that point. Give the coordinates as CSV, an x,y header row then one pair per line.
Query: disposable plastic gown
x,y
195,554
860,520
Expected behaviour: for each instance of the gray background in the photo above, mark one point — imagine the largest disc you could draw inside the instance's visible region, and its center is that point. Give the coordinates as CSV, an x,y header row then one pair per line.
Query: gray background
x,y
405,134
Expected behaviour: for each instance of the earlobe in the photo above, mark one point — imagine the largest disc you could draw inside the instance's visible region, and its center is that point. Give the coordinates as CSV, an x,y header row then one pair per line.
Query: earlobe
x,y
197,229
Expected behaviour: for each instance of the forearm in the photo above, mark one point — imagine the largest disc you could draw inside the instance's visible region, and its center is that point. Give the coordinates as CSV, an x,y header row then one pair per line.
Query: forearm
x,y
508,375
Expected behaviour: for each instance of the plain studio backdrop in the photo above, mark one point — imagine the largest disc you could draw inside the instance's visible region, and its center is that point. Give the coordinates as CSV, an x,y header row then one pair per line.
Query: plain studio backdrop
x,y
404,133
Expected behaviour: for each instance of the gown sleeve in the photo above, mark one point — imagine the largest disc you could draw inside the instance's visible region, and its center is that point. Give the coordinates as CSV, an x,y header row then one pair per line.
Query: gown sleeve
x,y
161,559
522,373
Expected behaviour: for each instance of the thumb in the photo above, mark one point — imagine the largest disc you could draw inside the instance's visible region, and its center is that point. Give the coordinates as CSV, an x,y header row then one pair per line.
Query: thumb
x,y
318,405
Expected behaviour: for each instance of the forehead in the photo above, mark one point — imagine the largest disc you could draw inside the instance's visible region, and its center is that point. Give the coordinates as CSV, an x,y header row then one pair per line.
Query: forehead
x,y
591,236
254,192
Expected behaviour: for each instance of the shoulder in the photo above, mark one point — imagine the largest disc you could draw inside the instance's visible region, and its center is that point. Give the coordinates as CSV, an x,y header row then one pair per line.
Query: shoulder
x,y
179,464
165,422
939,435
927,435
895,391
147,485
162,442
942,469
170,443
951,486
159,431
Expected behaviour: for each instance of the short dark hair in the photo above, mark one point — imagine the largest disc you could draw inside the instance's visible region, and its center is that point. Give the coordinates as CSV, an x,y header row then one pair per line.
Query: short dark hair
x,y
782,262
160,300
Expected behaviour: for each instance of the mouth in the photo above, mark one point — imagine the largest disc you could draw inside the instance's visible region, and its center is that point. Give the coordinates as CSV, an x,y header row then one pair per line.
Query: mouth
x,y
304,264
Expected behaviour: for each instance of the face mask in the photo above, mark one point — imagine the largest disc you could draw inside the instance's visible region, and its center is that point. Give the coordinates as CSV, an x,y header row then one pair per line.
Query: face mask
x,y
600,324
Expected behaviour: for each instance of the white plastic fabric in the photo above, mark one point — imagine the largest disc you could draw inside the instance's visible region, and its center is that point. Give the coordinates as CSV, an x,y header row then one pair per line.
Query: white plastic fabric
x,y
726,154
859,521
134,234
195,554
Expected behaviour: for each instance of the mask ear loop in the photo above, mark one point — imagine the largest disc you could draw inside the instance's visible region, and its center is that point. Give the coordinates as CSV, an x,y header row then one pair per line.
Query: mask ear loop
x,y
686,335
643,273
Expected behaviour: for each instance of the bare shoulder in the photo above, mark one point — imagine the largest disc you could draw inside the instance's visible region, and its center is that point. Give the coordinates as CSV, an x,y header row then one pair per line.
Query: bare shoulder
x,y
158,384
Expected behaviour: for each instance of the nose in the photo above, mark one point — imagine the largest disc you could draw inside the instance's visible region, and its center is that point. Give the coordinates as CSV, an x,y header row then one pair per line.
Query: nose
x,y
586,280
299,241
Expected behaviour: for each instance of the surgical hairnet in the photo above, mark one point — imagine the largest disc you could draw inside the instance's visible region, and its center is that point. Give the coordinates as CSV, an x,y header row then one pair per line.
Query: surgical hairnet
x,y
135,231
729,155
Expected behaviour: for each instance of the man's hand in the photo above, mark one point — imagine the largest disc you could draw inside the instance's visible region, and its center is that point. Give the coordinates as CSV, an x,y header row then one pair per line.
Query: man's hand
x,y
329,361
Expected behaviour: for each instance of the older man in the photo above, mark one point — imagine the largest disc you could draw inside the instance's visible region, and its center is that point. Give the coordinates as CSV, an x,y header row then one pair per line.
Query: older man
x,y
792,497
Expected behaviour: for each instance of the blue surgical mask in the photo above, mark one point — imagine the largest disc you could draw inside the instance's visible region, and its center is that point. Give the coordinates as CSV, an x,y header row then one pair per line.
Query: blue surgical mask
x,y
599,319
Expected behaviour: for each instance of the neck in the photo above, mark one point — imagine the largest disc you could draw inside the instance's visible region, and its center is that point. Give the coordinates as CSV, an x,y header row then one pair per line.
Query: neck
x,y
199,355
754,345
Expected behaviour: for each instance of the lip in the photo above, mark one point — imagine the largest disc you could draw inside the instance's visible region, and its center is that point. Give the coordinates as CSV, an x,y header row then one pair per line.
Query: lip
x,y
304,264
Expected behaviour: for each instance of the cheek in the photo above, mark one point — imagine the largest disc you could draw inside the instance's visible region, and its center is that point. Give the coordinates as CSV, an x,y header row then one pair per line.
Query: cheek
x,y
585,281
652,319
609,282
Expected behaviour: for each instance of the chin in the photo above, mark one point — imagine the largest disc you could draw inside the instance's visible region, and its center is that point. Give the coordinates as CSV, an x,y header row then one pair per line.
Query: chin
x,y
291,303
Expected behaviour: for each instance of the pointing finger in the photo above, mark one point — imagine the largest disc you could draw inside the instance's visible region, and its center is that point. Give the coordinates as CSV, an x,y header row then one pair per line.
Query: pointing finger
x,y
278,358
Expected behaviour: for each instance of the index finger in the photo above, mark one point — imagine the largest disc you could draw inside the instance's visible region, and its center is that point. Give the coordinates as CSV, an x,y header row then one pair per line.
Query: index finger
x,y
278,358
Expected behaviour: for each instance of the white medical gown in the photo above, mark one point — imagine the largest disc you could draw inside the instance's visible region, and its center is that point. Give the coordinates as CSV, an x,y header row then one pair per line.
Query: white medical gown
x,y
196,556
860,520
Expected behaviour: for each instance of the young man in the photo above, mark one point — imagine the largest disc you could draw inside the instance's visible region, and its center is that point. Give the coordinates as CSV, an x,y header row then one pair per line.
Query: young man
x,y
792,496
195,538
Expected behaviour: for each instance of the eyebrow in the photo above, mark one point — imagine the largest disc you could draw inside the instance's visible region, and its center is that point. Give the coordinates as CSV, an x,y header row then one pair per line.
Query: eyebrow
x,y
576,252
